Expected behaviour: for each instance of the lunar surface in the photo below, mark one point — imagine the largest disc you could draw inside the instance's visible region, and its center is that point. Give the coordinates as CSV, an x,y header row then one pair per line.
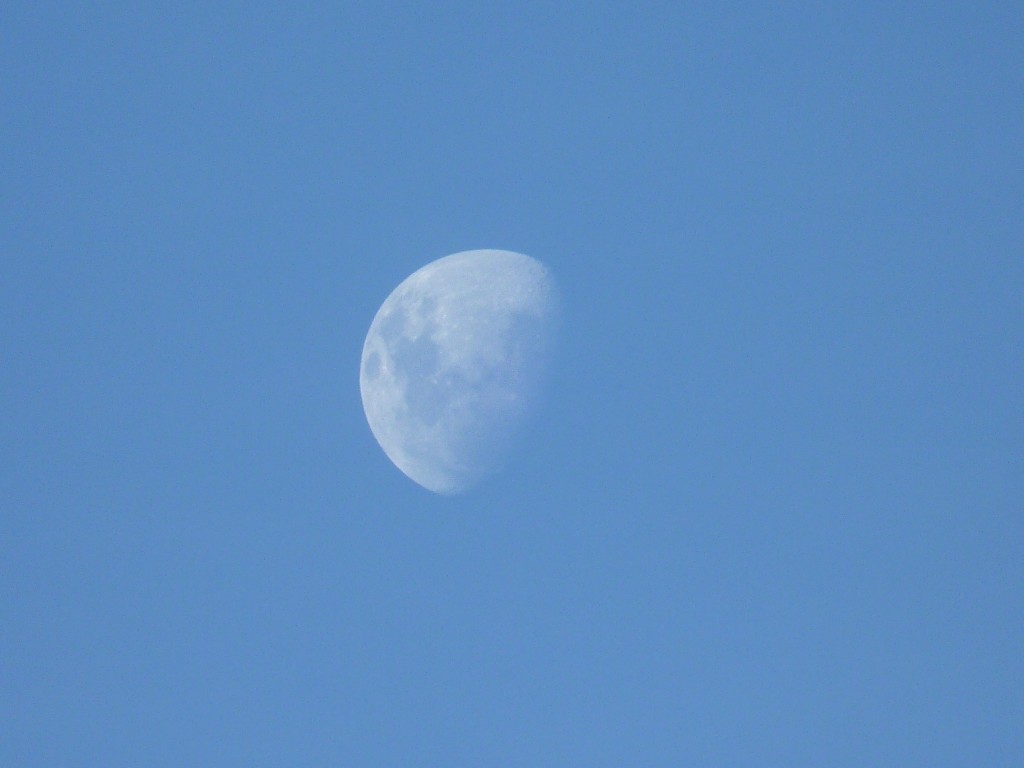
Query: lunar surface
x,y
453,364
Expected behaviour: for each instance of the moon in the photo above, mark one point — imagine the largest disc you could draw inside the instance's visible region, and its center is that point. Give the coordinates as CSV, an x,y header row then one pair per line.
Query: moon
x,y
454,362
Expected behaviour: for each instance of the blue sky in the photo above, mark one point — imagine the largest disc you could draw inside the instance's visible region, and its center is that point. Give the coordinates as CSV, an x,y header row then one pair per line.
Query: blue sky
x,y
773,515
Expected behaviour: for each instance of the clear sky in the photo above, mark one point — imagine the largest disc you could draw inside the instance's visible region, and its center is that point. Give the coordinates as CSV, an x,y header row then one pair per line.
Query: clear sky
x,y
773,514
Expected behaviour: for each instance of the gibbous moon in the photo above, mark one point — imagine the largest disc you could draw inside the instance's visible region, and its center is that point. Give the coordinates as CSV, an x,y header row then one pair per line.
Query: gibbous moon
x,y
453,362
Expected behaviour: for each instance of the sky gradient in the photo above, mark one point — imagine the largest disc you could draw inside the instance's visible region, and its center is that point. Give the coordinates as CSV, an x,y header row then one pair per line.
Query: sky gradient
x,y
773,513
